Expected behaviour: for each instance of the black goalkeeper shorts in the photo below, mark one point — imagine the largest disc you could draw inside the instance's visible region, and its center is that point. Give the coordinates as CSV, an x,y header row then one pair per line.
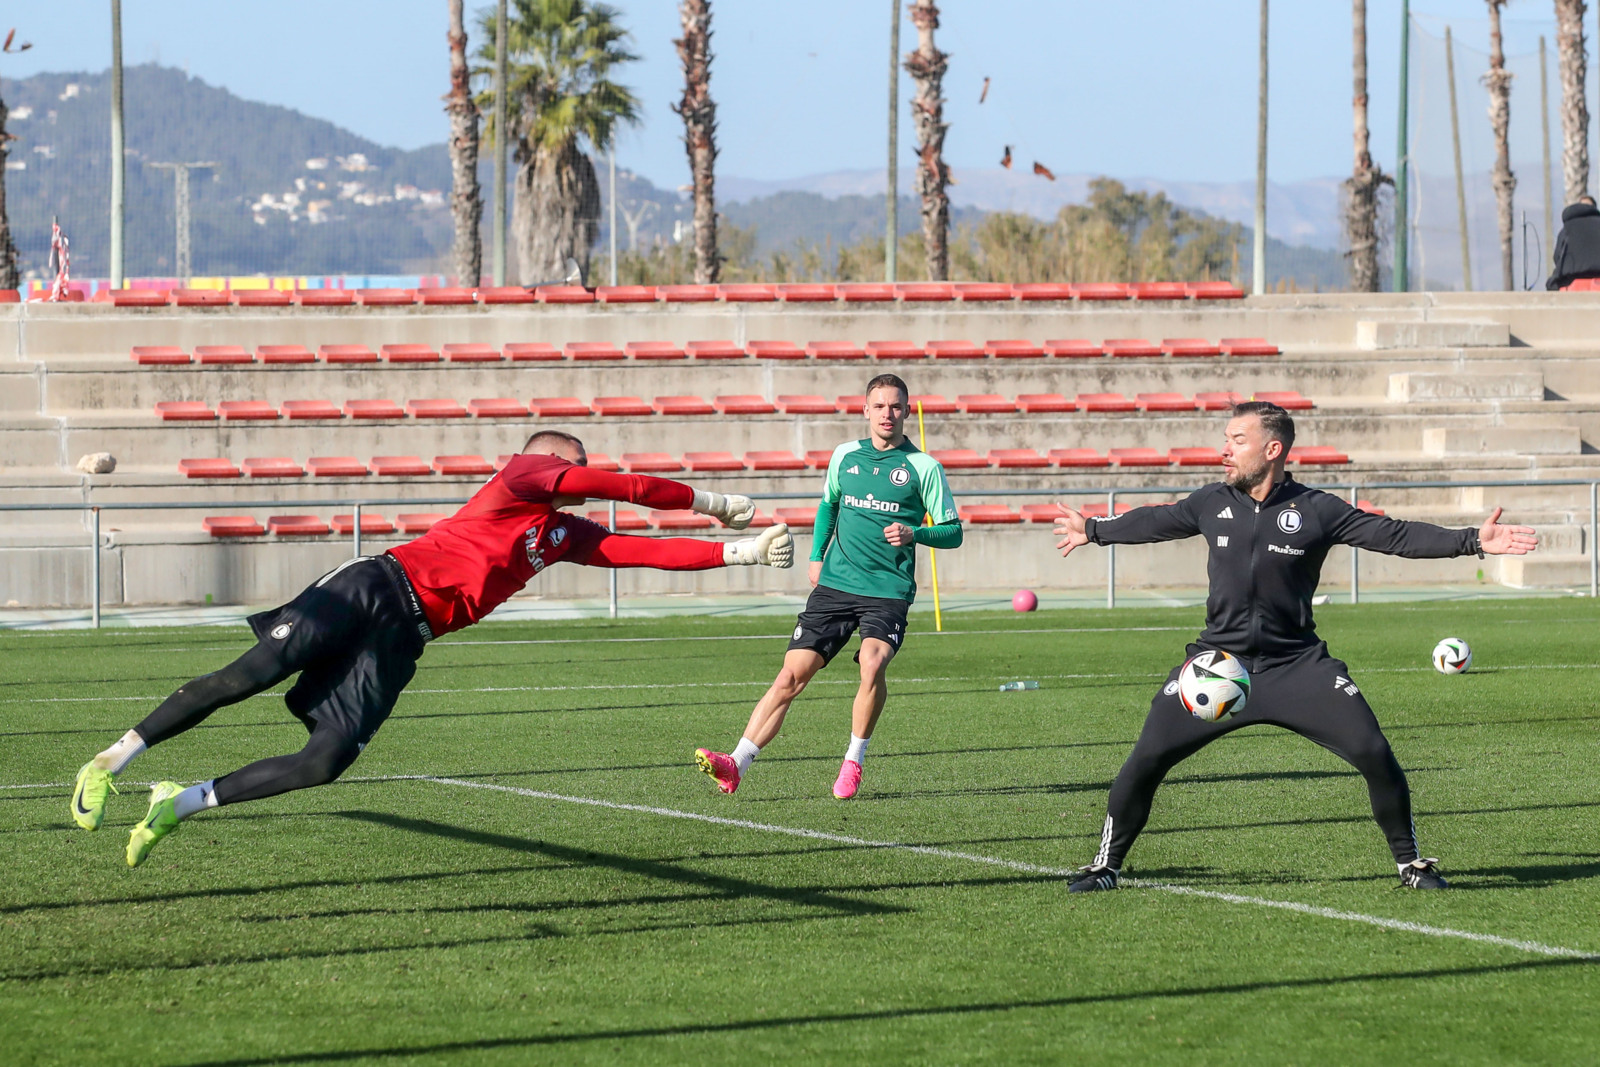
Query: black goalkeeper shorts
x,y
355,639
832,615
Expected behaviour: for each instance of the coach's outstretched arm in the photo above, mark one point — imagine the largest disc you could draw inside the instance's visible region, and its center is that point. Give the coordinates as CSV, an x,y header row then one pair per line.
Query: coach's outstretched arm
x,y
733,510
1423,540
773,548
1141,526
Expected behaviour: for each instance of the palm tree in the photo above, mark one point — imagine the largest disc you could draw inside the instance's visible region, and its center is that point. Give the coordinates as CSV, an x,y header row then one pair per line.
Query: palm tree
x,y
10,278
1361,188
699,113
927,66
466,204
560,95
1574,104
1498,81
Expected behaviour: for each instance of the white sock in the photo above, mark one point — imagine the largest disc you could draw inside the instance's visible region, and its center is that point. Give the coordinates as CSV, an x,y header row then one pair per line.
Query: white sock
x,y
116,758
857,750
745,753
195,798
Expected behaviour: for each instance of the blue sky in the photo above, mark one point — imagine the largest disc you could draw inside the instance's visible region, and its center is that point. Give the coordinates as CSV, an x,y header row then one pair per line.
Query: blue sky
x,y
1162,88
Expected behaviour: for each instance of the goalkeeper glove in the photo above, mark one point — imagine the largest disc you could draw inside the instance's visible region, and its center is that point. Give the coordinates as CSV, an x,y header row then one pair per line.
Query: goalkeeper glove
x,y
774,548
733,510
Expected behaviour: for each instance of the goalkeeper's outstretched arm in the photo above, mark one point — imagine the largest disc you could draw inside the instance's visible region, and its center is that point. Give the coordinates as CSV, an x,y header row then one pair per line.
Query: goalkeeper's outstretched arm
x,y
773,548
731,509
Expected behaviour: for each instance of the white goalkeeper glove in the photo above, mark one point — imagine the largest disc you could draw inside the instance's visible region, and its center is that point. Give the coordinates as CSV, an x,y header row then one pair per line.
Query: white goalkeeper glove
x,y
733,510
774,548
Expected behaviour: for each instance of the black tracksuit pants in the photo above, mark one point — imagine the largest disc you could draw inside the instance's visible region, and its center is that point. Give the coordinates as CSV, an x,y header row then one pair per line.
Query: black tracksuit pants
x,y
1312,695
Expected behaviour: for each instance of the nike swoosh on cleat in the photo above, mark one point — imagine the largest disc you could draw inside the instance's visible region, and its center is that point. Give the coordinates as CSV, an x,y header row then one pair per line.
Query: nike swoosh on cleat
x,y
77,803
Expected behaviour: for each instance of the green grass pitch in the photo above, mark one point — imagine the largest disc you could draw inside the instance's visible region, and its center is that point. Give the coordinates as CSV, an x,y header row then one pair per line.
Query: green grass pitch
x,y
385,920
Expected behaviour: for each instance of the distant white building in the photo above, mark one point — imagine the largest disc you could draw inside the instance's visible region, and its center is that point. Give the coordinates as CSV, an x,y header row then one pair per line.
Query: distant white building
x,y
320,163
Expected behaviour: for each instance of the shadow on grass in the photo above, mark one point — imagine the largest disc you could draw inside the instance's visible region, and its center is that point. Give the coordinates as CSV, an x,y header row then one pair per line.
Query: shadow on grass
x,y
741,1026
1337,820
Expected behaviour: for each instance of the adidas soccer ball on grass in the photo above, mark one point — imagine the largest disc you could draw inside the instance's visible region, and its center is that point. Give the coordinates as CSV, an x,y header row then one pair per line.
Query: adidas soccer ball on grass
x,y
1452,656
1213,685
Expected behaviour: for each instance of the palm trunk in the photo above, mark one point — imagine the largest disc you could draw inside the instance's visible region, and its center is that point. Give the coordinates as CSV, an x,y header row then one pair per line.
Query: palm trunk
x,y
557,210
1361,190
699,114
927,66
466,203
9,276
1498,81
1574,104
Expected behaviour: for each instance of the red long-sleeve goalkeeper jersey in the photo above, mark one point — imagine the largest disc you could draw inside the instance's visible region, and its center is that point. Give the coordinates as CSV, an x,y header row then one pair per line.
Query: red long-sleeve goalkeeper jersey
x,y
471,563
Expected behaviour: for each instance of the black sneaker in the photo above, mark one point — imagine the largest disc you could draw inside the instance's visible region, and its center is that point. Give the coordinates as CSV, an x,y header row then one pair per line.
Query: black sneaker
x,y
1422,874
1093,879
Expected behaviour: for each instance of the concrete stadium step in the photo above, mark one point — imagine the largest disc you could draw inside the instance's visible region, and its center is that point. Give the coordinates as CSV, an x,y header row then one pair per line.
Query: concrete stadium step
x,y
1433,386
1545,571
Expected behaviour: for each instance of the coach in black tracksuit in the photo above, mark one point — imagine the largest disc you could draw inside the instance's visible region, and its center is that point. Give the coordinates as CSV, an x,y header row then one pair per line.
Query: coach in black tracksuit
x,y
1267,536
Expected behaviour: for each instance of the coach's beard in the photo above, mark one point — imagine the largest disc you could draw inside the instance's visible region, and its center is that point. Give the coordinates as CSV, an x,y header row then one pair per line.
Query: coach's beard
x,y
1244,480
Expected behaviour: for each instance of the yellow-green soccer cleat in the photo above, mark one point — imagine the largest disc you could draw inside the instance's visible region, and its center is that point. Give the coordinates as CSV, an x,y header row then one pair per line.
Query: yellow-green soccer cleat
x,y
160,821
89,795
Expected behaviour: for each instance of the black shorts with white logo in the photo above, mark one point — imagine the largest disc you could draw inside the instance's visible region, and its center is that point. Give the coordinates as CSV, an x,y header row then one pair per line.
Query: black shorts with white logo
x,y
832,615
355,638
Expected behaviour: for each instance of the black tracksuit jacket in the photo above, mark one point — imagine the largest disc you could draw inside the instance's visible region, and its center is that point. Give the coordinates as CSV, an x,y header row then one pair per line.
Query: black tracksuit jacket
x,y
1577,251
1265,560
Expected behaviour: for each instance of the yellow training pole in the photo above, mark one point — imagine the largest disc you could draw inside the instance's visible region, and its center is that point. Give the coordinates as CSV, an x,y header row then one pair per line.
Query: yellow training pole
x,y
933,556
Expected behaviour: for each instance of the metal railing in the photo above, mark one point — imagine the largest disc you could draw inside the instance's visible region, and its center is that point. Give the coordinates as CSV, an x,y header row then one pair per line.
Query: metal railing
x,y
1353,489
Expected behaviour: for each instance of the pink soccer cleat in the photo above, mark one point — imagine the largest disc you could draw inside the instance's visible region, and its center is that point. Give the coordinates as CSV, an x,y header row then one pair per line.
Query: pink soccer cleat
x,y
849,780
721,768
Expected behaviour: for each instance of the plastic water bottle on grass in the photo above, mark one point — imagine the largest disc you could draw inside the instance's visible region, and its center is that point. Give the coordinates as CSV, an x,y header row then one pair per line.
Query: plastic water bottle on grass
x,y
1017,687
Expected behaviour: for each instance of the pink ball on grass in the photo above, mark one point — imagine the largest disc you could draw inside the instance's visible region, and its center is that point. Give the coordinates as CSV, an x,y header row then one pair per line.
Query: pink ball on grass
x,y
1024,600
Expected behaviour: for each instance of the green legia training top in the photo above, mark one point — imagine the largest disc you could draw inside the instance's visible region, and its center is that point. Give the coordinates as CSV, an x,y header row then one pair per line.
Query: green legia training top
x,y
867,491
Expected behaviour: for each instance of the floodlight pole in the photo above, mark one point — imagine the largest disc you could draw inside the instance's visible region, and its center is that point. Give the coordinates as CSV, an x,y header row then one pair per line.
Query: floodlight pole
x,y
891,239
1258,263
1455,144
1402,277
118,157
1544,128
500,80
182,268
613,224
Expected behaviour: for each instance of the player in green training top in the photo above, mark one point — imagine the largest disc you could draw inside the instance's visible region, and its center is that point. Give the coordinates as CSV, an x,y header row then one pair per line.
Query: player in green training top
x,y
864,567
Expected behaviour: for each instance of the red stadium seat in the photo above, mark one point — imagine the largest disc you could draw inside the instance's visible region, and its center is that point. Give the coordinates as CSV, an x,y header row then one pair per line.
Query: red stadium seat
x,y
563,294
797,518
400,467
371,523
835,350
627,519
747,294
775,350
854,405
1013,458
744,404
184,411
614,406
297,526
1317,456
435,409
1045,403
1368,507
958,459
819,459
713,461
259,298
1098,510
686,294
954,350
803,404
223,354
1160,291
272,467
931,404
865,292
679,520
1163,402
471,353
1105,402
462,466
925,292
987,514
1217,401
683,405
285,354
1042,512
1138,457
1102,291
1078,457
1189,347
1130,346
159,355
336,467
649,463
242,410
593,350
1215,291
373,409
207,468
806,293
310,409
774,461
447,295
653,350
231,526
1248,346
386,297
1043,291
560,407
1014,350
323,298
895,350
139,298
533,352
713,350
1288,401
506,294
760,521
986,404
599,461
975,291
1195,457
1074,349
497,407
419,522
347,354
188,298
626,294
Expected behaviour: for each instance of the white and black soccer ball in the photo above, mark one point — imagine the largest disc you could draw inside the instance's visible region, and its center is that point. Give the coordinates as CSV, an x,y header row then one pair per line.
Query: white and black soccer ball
x,y
1452,656
1213,685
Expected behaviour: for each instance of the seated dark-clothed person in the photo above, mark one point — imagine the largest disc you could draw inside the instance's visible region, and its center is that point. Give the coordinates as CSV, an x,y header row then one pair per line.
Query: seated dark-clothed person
x,y
1577,252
